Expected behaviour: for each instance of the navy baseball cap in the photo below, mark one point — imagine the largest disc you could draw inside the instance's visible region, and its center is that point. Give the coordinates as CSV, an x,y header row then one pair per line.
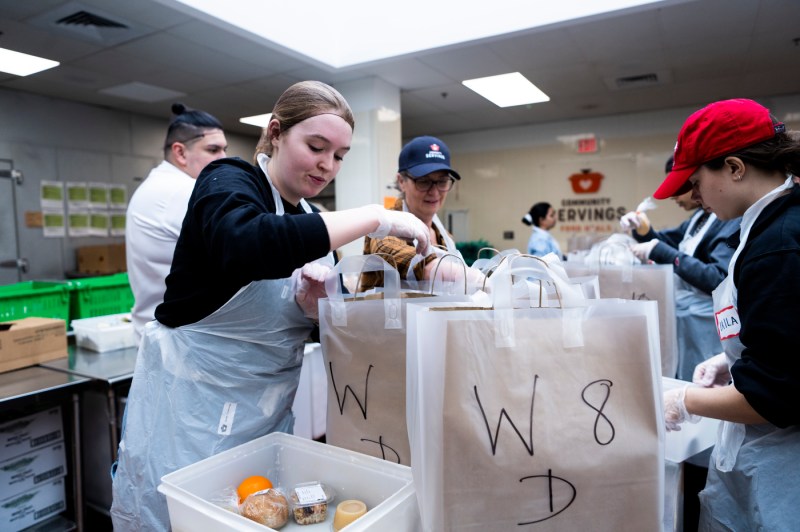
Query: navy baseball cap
x,y
424,155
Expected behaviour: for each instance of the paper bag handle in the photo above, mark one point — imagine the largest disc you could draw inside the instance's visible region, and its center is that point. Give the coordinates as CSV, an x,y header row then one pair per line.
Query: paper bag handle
x,y
627,268
496,252
488,265
393,318
519,265
439,263
384,256
502,300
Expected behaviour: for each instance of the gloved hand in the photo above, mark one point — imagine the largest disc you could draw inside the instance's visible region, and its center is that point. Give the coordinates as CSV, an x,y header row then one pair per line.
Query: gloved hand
x,y
310,287
675,411
712,373
452,270
635,220
403,225
643,249
475,277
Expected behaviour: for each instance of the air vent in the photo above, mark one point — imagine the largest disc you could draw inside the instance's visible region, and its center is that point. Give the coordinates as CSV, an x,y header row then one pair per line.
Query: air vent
x,y
84,18
637,81
91,23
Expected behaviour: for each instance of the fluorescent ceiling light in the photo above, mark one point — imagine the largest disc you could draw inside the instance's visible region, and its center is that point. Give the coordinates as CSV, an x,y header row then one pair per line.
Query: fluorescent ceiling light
x,y
256,120
21,64
390,29
507,90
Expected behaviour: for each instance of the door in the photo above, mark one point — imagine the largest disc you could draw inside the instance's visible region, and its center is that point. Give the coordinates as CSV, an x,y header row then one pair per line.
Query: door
x,y
11,265
457,222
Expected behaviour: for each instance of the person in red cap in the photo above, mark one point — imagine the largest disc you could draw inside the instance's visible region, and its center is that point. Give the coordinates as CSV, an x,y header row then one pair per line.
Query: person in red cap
x,y
739,161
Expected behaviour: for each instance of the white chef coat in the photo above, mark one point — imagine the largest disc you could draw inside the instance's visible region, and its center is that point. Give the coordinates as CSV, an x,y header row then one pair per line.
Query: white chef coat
x,y
154,219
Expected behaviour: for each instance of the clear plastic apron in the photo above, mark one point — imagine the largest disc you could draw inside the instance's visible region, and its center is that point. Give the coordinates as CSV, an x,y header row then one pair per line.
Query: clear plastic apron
x,y
694,310
725,298
751,465
206,387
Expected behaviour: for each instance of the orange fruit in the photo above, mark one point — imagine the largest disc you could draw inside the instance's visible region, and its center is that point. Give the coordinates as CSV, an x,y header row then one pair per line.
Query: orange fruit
x,y
251,485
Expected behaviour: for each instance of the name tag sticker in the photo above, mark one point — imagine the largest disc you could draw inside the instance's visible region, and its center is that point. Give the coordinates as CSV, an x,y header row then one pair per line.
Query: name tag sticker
x,y
728,323
226,419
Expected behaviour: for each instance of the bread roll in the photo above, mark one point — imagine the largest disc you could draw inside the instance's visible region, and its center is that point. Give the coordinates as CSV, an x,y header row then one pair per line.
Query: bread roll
x,y
268,507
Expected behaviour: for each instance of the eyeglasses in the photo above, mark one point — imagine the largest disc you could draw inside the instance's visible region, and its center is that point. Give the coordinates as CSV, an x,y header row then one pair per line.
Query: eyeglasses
x,y
425,184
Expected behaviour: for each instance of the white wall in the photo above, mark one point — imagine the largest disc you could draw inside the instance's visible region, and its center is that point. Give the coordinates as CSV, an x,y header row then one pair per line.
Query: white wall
x,y
59,140
504,172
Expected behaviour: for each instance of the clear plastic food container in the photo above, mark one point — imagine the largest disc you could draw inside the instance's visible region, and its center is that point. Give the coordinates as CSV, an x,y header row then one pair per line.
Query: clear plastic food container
x,y
309,502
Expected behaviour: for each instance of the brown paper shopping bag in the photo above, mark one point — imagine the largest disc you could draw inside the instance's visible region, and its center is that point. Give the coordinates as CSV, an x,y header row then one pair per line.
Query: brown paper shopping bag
x,y
627,279
364,348
536,418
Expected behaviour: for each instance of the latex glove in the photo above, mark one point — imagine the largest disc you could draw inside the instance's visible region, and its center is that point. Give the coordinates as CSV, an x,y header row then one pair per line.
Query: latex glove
x,y
643,250
675,411
713,373
475,277
403,225
635,220
310,287
449,269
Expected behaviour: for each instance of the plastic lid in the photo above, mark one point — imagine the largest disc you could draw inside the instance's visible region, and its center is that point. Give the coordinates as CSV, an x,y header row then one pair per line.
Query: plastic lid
x,y
310,493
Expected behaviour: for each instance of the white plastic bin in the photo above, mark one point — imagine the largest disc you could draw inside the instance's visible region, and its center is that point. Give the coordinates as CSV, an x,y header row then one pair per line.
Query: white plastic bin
x,y
385,487
693,437
105,333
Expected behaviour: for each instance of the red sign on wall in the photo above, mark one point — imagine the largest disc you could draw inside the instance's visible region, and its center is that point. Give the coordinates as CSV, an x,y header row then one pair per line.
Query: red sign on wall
x,y
586,182
587,145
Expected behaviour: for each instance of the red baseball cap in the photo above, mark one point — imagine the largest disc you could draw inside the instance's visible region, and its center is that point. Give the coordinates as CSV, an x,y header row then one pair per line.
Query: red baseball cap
x,y
715,130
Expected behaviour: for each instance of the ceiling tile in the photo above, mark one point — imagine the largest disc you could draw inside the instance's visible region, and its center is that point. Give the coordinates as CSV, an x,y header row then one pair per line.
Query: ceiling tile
x,y
460,63
254,51
169,50
409,73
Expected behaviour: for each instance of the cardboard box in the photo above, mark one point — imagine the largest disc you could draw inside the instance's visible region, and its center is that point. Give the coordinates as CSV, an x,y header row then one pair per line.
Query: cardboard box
x,y
30,341
25,472
28,508
25,434
109,258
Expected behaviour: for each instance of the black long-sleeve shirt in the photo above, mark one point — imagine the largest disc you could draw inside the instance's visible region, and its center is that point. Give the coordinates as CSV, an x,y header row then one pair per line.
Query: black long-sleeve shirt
x,y
767,275
230,237
708,265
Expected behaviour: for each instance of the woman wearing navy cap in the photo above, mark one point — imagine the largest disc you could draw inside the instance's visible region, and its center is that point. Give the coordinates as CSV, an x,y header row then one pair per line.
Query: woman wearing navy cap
x,y
739,161
424,177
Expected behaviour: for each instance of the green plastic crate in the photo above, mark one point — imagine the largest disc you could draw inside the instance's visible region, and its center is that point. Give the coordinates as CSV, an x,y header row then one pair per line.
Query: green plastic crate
x,y
34,299
100,296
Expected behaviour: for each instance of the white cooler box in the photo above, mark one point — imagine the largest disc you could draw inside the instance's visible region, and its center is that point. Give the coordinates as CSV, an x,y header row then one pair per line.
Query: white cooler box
x,y
105,333
693,437
287,460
